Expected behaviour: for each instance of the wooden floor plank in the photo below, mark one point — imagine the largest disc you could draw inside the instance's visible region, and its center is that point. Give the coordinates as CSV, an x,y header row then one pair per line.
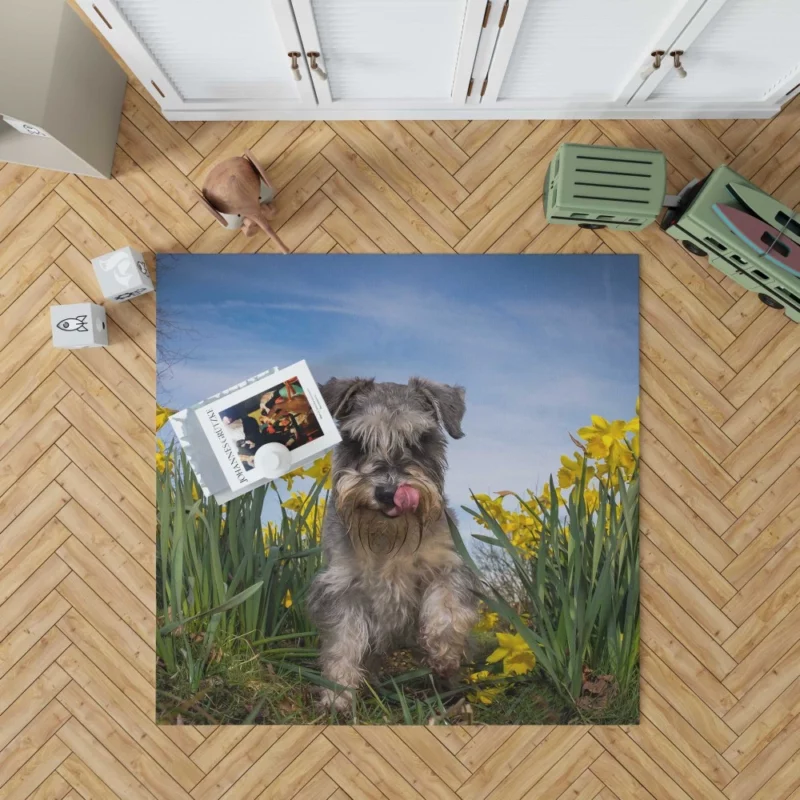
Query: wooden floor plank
x,y
84,782
109,625
31,738
105,769
37,769
681,554
30,630
159,131
667,726
109,587
119,743
437,143
407,220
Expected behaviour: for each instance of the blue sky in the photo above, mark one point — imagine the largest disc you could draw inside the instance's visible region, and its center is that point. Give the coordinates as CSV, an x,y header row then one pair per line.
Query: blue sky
x,y
540,342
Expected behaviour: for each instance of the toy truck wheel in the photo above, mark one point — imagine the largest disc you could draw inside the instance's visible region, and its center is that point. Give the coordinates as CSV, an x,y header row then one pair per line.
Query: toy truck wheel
x,y
693,248
592,226
769,301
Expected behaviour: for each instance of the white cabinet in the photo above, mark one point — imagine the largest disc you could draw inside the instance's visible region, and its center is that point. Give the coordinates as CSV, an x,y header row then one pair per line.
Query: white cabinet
x,y
735,51
390,53
564,52
339,59
198,55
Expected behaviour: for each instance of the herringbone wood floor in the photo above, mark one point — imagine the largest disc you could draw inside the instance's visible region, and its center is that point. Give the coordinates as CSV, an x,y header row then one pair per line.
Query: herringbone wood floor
x,y
721,474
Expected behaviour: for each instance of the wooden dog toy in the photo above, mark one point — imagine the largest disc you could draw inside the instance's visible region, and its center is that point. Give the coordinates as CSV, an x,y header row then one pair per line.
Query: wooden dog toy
x,y
238,194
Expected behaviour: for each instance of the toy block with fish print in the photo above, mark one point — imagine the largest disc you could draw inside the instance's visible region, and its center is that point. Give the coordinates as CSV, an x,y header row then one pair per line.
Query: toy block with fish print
x,y
122,275
78,325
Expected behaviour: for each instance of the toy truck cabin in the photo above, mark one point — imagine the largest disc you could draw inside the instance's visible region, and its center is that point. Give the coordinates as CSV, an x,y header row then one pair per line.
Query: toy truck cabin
x,y
696,225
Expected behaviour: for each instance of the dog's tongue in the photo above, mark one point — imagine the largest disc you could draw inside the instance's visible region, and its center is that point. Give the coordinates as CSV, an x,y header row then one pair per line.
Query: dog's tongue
x,y
406,499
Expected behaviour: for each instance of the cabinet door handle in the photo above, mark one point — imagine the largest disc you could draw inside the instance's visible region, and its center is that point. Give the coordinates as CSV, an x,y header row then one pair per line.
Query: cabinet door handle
x,y
676,60
312,58
294,66
657,55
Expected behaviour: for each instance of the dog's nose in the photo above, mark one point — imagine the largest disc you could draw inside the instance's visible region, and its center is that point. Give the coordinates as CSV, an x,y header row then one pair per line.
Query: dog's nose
x,y
385,495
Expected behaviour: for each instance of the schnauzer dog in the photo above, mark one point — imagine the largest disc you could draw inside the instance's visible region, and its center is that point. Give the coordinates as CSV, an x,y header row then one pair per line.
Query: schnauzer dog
x,y
392,576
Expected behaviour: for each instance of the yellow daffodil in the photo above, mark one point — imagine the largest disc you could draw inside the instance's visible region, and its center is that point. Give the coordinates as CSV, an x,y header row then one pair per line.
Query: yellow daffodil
x,y
287,600
619,456
545,499
633,427
321,468
600,427
290,476
483,694
296,502
515,654
270,534
487,621
162,415
163,461
493,506
601,435
571,470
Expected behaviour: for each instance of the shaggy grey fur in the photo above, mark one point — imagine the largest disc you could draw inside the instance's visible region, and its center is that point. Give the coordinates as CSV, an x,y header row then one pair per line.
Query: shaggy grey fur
x,y
390,580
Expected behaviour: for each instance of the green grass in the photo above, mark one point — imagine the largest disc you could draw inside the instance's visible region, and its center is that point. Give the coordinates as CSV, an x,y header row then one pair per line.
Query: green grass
x,y
581,586
231,650
241,688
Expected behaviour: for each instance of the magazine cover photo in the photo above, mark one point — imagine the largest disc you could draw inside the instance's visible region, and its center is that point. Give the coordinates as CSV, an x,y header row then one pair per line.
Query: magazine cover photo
x,y
281,414
454,536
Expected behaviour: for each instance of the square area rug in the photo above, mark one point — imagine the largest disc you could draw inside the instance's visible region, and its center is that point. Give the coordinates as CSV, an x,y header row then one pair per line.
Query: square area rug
x,y
468,553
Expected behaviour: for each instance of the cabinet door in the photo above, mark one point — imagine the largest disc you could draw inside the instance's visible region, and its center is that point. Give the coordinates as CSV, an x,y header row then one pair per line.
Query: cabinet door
x,y
738,51
383,54
562,54
194,55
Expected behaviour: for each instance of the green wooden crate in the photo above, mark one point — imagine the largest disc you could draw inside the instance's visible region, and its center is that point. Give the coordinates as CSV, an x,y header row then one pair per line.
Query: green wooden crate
x,y
605,187
696,225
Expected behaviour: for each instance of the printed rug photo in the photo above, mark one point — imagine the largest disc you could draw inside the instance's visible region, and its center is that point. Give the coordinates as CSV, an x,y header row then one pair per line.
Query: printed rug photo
x,y
466,552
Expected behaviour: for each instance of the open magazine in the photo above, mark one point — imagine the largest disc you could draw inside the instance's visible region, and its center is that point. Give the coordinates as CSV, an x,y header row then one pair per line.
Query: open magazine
x,y
223,434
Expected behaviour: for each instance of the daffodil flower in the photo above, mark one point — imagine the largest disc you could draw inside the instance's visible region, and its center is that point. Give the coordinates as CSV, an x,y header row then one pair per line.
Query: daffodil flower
x,y
296,502
162,460
321,468
571,470
487,621
515,654
162,415
483,694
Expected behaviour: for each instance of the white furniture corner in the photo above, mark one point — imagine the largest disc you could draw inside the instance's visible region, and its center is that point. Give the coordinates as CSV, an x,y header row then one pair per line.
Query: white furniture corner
x,y
468,59
57,77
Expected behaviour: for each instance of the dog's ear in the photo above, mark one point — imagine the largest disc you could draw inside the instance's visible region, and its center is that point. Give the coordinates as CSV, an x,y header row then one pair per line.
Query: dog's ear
x,y
339,393
447,403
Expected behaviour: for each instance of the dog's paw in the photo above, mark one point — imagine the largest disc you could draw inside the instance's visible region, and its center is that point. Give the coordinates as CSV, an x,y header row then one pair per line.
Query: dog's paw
x,y
335,701
445,666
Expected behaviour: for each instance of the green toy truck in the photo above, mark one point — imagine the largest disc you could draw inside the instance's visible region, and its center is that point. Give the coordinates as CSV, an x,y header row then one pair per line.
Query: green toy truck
x,y
609,187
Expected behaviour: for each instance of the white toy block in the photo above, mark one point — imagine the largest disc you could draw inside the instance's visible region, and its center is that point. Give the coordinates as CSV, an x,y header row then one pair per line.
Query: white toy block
x,y
78,325
122,274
